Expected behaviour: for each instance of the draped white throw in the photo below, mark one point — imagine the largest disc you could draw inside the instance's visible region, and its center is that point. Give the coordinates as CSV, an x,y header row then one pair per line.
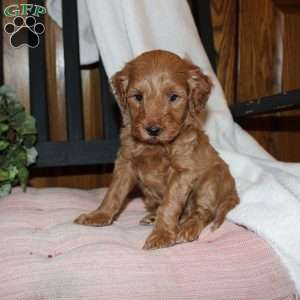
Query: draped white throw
x,y
269,190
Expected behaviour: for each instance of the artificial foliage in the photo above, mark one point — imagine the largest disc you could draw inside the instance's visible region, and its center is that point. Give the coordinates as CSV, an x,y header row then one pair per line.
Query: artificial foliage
x,y
18,135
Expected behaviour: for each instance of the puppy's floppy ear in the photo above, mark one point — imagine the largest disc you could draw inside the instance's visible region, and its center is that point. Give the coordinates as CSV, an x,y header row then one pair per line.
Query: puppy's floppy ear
x,y
119,84
199,88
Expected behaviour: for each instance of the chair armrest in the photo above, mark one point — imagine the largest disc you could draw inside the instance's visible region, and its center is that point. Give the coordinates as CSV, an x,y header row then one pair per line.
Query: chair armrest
x,y
284,101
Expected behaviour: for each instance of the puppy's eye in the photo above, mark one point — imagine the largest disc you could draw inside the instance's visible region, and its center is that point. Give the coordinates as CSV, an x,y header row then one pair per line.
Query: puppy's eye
x,y
173,97
138,97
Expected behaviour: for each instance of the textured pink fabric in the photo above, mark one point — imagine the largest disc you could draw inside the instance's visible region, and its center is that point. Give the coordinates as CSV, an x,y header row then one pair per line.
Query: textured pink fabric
x,y
44,256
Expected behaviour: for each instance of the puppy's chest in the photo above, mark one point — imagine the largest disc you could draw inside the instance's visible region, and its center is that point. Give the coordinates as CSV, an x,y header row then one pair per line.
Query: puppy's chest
x,y
154,169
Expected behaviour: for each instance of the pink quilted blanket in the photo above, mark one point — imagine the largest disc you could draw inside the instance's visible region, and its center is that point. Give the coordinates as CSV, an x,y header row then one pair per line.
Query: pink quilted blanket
x,y
43,255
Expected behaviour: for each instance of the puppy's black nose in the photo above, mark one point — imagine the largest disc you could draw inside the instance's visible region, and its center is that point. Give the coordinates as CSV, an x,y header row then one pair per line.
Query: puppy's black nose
x,y
153,131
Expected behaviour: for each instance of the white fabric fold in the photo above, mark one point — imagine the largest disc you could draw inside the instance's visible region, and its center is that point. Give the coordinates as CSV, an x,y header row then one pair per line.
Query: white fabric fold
x,y
269,190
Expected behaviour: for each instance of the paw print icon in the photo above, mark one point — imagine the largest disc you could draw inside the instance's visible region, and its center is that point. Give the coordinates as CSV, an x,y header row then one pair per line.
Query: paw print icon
x,y
24,32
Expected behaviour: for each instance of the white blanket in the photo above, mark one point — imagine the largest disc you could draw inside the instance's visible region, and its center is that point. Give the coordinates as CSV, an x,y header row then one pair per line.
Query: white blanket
x,y
269,190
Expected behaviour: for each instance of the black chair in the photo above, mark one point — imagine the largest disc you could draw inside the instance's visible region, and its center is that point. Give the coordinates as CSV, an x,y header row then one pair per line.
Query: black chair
x,y
77,151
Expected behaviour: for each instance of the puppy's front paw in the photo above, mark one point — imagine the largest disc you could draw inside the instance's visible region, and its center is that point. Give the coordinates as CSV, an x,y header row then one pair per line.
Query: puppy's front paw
x,y
160,239
95,218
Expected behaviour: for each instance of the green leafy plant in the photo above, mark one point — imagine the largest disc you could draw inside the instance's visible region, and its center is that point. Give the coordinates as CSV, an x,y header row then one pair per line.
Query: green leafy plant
x,y
18,135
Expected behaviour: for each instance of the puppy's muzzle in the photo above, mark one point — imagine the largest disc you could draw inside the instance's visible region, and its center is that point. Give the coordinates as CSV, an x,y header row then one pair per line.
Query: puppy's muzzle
x,y
153,130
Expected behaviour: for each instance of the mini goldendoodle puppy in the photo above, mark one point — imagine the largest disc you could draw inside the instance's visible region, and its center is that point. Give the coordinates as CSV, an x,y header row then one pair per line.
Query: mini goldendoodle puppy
x,y
164,150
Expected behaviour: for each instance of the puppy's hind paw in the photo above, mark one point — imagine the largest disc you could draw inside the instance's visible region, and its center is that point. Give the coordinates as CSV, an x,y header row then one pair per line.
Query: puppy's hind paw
x,y
189,231
148,219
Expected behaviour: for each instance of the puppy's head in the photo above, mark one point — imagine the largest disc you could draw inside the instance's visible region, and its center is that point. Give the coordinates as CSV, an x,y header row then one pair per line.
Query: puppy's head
x,y
157,92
